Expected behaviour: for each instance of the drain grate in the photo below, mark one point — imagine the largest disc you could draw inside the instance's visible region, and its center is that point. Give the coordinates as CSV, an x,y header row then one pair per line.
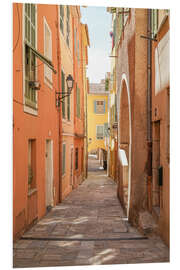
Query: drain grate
x,y
83,239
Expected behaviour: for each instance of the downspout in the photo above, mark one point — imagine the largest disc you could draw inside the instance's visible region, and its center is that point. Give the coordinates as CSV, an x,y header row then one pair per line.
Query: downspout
x,y
149,110
59,109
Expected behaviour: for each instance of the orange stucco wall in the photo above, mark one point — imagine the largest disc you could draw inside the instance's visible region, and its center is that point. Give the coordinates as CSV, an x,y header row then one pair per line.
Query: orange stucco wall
x,y
27,126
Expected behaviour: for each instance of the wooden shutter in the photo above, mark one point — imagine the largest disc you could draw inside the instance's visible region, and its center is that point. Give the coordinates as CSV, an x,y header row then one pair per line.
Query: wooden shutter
x,y
105,129
63,90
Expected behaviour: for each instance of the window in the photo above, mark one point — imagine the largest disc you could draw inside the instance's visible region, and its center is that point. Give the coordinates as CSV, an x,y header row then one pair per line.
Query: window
x,y
99,132
76,159
47,53
30,61
31,164
106,129
68,108
67,26
154,22
63,90
77,101
126,14
62,18
64,159
99,106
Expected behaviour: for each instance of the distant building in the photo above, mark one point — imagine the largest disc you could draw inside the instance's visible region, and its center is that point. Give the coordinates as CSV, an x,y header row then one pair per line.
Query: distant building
x,y
98,119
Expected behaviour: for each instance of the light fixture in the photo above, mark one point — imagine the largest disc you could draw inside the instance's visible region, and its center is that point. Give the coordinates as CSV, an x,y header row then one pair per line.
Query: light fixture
x,y
62,95
70,83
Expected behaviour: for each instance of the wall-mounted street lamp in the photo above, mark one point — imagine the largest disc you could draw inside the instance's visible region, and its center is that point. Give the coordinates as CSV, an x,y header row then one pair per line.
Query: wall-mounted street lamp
x,y
62,95
90,140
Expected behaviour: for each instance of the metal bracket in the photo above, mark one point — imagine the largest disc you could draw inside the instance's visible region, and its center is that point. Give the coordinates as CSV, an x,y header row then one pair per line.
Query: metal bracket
x,y
153,39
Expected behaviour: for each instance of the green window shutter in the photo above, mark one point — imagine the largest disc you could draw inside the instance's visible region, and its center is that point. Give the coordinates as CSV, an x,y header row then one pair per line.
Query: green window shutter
x,y
64,160
62,18
105,129
67,26
30,61
63,90
68,107
104,106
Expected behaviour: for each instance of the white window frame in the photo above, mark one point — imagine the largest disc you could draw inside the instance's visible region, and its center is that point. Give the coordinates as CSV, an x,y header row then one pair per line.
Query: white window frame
x,y
47,70
27,109
96,131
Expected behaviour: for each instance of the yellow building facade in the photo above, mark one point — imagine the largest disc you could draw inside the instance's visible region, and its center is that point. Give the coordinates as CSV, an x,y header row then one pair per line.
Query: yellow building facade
x,y
97,115
85,45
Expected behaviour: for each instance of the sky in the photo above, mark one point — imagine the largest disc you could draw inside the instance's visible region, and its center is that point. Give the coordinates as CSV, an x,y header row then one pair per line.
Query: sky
x,y
99,26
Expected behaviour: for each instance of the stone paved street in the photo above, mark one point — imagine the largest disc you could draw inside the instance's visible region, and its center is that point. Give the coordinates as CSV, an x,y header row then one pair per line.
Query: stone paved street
x,y
88,228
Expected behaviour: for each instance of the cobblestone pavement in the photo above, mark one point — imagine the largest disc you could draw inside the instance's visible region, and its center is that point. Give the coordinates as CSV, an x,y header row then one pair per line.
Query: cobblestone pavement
x,y
88,228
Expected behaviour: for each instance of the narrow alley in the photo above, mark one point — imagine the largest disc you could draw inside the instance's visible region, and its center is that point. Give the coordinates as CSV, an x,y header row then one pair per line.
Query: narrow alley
x,y
87,228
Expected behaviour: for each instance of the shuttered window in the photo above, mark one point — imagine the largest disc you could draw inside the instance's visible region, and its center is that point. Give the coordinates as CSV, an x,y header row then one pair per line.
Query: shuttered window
x,y
99,132
30,61
67,25
64,159
106,129
62,18
47,53
68,108
154,22
99,106
76,159
63,90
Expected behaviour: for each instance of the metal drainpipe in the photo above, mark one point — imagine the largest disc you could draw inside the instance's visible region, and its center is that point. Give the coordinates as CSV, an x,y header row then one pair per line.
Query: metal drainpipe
x,y
59,110
149,110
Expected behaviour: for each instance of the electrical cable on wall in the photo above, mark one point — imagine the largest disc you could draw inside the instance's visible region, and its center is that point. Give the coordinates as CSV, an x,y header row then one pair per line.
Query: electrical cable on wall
x,y
18,29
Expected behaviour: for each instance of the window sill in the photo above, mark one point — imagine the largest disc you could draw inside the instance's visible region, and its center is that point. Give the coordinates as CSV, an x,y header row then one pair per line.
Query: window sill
x,y
30,110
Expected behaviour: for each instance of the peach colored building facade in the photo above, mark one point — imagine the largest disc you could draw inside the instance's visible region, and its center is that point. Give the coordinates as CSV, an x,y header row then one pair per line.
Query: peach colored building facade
x,y
48,132
141,38
160,186
35,116
67,105
78,98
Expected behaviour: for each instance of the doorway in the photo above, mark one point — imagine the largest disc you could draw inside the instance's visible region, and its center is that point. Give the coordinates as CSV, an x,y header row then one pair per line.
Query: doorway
x,y
49,174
